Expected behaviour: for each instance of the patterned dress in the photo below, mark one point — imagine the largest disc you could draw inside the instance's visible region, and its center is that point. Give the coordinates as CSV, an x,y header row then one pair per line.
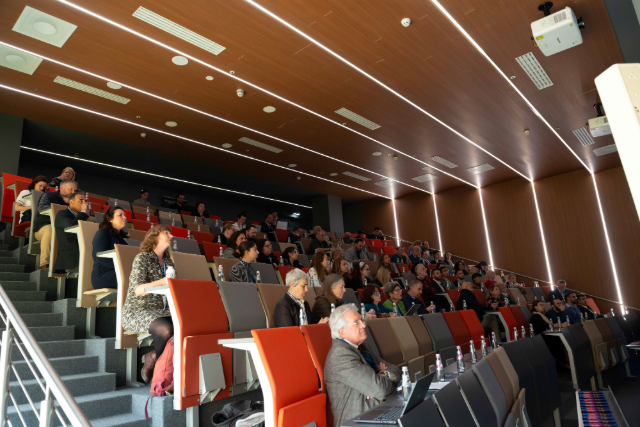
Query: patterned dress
x,y
139,311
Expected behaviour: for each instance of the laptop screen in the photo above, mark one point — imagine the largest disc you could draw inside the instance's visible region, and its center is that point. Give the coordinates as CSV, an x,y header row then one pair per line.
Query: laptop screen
x,y
419,392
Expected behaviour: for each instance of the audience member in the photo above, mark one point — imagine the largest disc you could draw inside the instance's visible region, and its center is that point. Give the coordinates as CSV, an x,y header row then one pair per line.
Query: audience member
x,y
393,291
384,262
240,223
233,242
376,234
318,243
274,215
357,379
482,267
495,297
512,282
355,253
68,174
199,211
459,279
246,252
315,231
425,257
361,235
290,258
585,309
223,237
504,294
559,291
319,268
476,281
371,298
268,225
539,321
331,292
112,231
341,267
144,312
437,282
415,255
68,251
23,202
347,240
556,313
265,253
437,257
42,224
489,321
491,279
180,204
294,235
422,274
444,271
448,261
571,309
383,275
400,256
252,231
360,275
461,266
144,195
414,296
287,311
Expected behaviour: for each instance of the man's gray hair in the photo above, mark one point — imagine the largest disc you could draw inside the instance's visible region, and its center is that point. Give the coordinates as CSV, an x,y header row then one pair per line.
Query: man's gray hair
x,y
337,320
67,182
294,276
389,287
413,283
74,195
562,281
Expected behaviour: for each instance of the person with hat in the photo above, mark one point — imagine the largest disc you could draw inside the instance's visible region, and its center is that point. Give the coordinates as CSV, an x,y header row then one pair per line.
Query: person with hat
x,y
144,195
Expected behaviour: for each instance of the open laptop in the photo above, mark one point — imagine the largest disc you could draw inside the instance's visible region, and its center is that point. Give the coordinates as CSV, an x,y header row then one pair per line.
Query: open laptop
x,y
413,310
391,415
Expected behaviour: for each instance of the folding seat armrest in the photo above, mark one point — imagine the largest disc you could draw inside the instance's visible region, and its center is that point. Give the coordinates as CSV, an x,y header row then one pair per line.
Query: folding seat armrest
x,y
105,297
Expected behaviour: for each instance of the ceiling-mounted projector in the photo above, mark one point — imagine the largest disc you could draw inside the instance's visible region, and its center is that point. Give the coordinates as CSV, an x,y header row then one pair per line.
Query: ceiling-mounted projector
x,y
556,31
600,125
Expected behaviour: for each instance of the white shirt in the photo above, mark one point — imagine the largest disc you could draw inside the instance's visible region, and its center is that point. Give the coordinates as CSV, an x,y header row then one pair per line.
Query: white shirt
x,y
23,201
237,227
314,280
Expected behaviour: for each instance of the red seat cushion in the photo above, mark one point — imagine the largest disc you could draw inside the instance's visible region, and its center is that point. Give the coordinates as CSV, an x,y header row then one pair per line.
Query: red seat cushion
x,y
201,237
311,409
458,329
402,267
376,242
454,294
509,319
546,290
480,296
282,235
476,331
375,250
141,225
390,250
211,250
179,232
284,271
591,303
522,321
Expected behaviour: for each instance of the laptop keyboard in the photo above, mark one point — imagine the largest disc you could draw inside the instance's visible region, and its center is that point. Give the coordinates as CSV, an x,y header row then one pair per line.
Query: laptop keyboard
x,y
391,415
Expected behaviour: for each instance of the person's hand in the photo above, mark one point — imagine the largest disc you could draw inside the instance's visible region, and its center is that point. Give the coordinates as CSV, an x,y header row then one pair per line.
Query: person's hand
x,y
382,366
371,314
84,207
494,305
324,320
429,309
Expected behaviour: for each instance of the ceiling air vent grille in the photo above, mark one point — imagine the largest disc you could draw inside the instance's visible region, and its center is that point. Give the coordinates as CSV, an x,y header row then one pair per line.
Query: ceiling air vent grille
x,y
177,30
605,150
260,145
481,168
356,176
385,183
92,90
583,136
444,162
424,178
534,70
358,119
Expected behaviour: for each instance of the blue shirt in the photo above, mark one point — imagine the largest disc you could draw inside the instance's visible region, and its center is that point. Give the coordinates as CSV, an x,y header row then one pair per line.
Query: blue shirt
x,y
414,258
573,313
396,259
557,294
553,316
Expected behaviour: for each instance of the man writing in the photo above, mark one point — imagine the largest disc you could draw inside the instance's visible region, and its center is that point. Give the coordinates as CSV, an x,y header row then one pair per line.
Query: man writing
x,y
68,251
357,379
355,253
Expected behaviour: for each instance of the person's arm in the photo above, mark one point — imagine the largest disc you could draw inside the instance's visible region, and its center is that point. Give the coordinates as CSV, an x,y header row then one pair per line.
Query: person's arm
x,y
44,203
282,316
350,370
321,308
235,274
138,278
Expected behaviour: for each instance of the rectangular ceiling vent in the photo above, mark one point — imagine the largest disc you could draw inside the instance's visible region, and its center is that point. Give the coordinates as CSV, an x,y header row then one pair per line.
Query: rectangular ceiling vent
x,y
424,178
177,30
481,168
357,118
90,89
534,70
260,145
444,162
385,183
44,27
605,150
356,176
583,136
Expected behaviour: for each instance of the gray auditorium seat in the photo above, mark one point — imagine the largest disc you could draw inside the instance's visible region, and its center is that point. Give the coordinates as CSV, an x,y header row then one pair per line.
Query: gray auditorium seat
x,y
267,273
539,293
526,313
122,205
168,210
99,217
369,341
452,406
186,246
304,260
529,380
409,276
133,242
275,246
351,297
426,410
441,337
174,222
478,401
492,389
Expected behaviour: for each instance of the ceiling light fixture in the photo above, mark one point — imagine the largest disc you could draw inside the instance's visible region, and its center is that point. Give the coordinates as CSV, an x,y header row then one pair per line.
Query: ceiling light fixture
x,y
333,174
179,60
435,209
269,109
209,78
19,60
160,176
171,124
179,137
38,58
227,145
544,242
486,229
377,153
45,28
15,60
292,165
259,88
113,85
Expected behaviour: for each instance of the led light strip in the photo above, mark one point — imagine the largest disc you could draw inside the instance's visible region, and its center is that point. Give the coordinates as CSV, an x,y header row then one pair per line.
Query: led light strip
x,y
205,113
160,176
395,219
187,139
606,235
435,209
326,49
486,229
544,242
507,79
263,90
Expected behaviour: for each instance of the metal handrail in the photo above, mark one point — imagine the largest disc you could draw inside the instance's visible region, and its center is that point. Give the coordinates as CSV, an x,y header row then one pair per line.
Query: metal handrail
x,y
528,277
52,381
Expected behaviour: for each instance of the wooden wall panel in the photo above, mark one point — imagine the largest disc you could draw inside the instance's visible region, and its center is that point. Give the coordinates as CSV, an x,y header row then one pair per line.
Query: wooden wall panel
x,y
513,226
416,218
377,212
623,225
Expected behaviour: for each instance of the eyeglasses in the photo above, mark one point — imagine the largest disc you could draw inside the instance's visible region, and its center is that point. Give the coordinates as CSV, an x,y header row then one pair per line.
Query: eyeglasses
x,y
365,269
358,322
375,294
268,246
397,290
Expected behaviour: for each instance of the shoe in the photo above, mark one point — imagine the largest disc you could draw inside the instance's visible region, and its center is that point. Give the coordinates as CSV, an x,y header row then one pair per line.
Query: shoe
x,y
148,365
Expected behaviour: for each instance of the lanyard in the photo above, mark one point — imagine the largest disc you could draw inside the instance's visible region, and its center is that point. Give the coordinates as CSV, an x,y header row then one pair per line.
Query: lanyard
x,y
163,265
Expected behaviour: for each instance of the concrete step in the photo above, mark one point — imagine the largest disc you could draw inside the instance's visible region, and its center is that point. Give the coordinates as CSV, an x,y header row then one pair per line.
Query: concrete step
x,y
5,253
4,247
16,296
55,349
8,260
19,286
41,319
78,385
63,365
125,420
14,277
53,333
11,268
32,307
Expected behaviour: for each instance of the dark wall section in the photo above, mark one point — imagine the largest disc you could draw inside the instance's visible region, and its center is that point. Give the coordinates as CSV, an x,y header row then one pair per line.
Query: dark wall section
x,y
352,217
10,138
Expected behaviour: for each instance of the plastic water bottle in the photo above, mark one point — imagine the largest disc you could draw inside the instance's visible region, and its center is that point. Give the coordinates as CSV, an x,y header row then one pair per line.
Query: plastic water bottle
x,y
518,298
288,239
612,315
494,343
439,368
175,246
542,299
483,347
148,210
220,272
406,282
333,307
219,239
406,384
433,307
584,317
559,325
502,275
303,317
258,278
116,203
363,312
169,215
551,327
474,356
173,222
170,272
451,307
188,234
464,304
530,330
460,360
523,332
148,217
515,333
89,206
281,260
365,281
57,189
395,310
535,284
350,267
220,253
506,301
198,227
195,219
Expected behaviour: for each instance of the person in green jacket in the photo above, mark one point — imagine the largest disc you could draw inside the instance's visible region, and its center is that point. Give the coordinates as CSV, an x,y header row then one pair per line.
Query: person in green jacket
x,y
393,291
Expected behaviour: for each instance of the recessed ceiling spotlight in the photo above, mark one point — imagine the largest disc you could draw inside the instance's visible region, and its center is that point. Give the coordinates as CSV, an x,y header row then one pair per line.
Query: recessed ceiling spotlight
x,y
46,28
113,85
209,78
226,145
377,153
333,174
269,109
406,22
171,124
232,72
138,117
299,178
513,77
179,60
292,165
557,128
527,131
395,157
144,135
15,59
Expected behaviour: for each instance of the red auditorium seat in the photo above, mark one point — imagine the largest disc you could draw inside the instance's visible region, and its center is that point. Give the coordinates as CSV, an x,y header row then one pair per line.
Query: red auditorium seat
x,y
546,290
141,225
179,232
476,331
431,266
318,338
454,295
143,217
510,320
360,292
522,321
252,222
403,268
185,213
96,202
284,271
368,242
228,222
389,250
375,250
277,255
9,195
591,303
214,217
202,237
480,296
376,242
388,243
127,213
211,250
458,329
282,235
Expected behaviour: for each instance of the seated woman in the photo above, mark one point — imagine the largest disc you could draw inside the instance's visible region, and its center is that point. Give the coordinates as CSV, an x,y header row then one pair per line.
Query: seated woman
x,y
147,313
319,268
495,297
448,261
360,276
461,266
233,243
112,231
384,262
290,258
265,253
198,211
287,311
67,174
341,267
482,267
383,276
22,205
331,293
393,291
539,320
371,298
246,252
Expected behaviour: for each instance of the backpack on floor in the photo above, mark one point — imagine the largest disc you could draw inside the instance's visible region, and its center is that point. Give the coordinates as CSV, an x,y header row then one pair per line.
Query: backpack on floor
x,y
162,382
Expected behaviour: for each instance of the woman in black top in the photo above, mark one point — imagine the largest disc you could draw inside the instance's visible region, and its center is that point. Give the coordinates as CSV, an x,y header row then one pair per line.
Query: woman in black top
x,y
460,266
199,211
538,320
290,258
494,297
111,232
360,273
265,251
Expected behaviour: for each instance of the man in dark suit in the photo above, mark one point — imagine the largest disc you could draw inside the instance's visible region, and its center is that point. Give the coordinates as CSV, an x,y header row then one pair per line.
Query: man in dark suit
x,y
318,242
414,296
294,235
488,321
347,240
68,252
180,204
559,291
376,234
585,309
268,225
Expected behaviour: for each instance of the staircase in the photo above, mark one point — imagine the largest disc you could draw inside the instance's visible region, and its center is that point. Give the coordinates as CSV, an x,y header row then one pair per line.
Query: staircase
x,y
92,369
